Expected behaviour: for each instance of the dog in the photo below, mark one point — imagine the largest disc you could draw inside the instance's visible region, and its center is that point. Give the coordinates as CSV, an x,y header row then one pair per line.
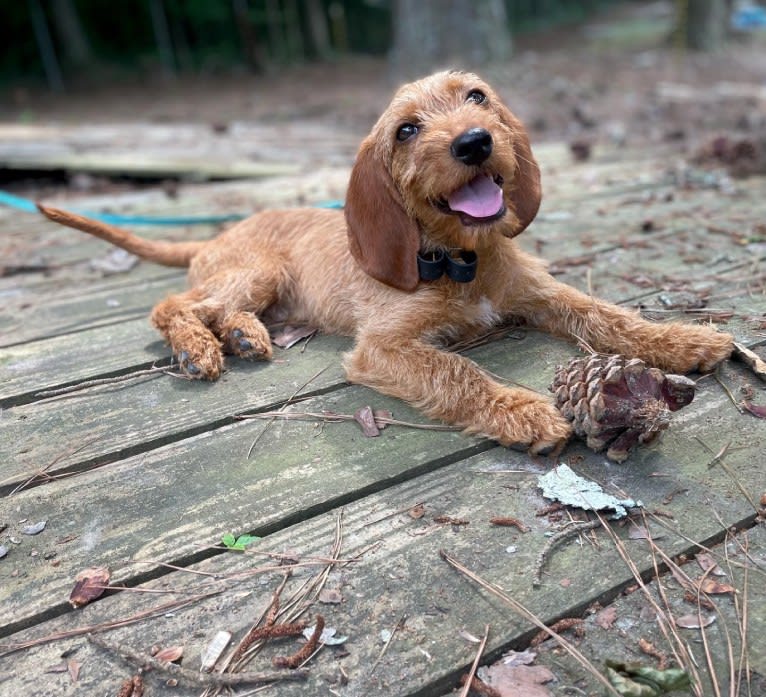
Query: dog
x,y
422,255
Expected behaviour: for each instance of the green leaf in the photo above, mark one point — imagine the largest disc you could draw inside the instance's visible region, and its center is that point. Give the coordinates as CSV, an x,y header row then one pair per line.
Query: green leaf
x,y
238,543
244,540
635,680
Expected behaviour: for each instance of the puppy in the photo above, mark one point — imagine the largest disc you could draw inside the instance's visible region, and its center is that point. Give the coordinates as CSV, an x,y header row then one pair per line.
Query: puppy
x,y
422,255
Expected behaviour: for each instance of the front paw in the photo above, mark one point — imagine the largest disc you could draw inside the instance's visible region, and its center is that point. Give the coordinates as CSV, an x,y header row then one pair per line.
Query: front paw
x,y
205,363
694,348
529,420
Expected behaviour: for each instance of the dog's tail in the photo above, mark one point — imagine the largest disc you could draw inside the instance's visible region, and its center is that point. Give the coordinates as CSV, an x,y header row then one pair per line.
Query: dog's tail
x,y
165,253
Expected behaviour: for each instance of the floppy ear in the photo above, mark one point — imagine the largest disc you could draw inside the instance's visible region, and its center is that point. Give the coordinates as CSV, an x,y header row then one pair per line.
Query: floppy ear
x,y
381,235
527,192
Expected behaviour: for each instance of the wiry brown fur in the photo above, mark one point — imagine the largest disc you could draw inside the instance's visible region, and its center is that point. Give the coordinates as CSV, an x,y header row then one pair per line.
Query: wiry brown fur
x,y
357,276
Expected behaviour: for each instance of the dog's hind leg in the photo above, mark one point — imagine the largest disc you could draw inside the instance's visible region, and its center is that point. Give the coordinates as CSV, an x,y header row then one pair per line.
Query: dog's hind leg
x,y
219,314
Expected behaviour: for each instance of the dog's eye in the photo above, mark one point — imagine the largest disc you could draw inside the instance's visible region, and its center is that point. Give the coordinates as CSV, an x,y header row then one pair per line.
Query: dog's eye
x,y
476,96
406,131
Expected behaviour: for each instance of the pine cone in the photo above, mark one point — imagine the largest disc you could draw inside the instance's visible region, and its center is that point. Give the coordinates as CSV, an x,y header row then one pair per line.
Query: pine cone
x,y
620,403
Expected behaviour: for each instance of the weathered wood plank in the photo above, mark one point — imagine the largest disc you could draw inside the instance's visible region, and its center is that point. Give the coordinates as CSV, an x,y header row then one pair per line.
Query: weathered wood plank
x,y
145,166
131,510
321,456
107,423
71,358
113,300
400,579
634,612
116,419
183,149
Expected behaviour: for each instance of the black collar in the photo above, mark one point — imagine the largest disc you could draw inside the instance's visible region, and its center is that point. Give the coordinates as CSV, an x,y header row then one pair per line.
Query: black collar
x,y
459,266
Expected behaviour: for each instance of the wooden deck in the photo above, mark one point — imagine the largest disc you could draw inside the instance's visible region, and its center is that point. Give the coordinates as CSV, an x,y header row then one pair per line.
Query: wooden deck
x,y
145,476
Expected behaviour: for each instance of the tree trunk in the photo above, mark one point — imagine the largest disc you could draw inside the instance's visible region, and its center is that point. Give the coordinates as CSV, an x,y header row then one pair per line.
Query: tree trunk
x,y
70,31
705,24
431,34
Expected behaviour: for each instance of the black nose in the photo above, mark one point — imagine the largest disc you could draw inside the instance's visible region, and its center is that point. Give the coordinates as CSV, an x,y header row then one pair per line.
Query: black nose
x,y
473,146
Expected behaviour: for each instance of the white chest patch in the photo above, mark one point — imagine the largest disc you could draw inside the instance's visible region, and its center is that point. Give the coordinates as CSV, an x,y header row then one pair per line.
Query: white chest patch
x,y
486,314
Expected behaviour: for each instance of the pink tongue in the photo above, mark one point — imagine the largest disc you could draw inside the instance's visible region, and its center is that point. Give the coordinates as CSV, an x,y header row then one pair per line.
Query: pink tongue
x,y
479,198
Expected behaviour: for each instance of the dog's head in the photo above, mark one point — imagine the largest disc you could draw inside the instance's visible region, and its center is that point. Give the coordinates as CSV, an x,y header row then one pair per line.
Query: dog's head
x,y
446,165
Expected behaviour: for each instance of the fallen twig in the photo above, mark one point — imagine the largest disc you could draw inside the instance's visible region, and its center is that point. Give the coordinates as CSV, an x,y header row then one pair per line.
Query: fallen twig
x,y
290,400
728,392
191,676
565,534
382,653
531,617
87,384
509,521
42,472
295,606
651,650
718,460
6,649
132,687
479,687
750,359
303,654
472,673
334,417
560,626
664,616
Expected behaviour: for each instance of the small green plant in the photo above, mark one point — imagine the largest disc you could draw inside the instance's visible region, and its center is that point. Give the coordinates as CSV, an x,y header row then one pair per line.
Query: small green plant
x,y
238,543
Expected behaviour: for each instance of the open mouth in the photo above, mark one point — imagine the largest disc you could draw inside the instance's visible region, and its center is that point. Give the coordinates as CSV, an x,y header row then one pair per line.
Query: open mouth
x,y
478,202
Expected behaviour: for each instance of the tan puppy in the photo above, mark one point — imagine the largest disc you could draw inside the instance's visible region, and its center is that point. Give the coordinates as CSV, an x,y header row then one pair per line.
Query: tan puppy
x,y
443,183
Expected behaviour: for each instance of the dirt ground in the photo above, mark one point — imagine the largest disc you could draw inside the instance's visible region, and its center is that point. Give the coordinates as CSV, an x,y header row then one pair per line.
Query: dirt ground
x,y
618,78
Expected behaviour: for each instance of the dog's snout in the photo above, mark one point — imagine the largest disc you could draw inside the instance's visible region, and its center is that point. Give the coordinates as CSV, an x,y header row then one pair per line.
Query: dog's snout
x,y
473,146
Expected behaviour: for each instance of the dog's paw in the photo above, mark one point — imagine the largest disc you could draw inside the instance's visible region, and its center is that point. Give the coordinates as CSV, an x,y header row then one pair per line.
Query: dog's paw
x,y
201,365
244,335
694,348
249,344
533,423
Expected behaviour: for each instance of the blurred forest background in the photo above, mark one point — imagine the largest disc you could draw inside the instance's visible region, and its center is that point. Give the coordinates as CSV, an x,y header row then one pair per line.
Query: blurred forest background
x,y
242,82
70,43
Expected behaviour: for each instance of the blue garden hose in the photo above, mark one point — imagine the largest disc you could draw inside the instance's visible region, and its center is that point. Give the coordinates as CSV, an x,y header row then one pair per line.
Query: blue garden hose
x,y
28,206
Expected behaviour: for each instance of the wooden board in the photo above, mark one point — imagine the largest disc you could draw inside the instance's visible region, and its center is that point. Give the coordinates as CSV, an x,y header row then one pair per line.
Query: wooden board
x,y
399,580
147,475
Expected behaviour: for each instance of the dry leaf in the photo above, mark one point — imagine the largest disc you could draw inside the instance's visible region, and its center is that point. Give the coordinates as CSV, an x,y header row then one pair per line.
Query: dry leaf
x,y
707,563
366,419
170,654
331,596
693,621
606,618
74,669
288,336
713,587
512,681
417,512
89,585
755,409
331,637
